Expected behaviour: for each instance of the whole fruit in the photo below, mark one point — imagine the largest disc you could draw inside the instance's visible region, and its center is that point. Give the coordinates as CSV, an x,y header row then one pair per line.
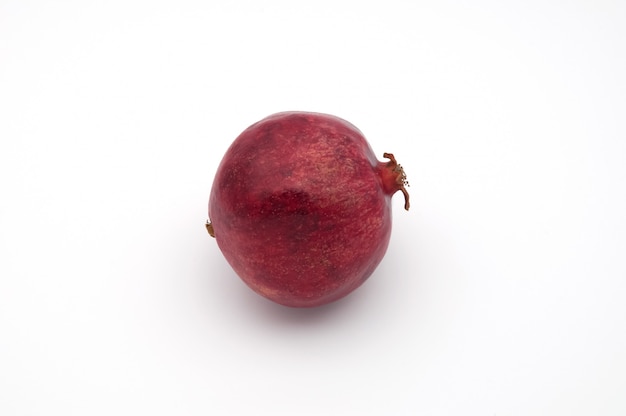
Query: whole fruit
x,y
301,208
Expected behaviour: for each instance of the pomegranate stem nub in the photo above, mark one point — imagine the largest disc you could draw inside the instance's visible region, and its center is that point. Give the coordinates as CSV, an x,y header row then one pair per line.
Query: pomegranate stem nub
x,y
209,228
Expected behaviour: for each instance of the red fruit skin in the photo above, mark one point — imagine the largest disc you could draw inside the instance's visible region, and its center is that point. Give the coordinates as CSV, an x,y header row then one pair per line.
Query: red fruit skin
x,y
300,208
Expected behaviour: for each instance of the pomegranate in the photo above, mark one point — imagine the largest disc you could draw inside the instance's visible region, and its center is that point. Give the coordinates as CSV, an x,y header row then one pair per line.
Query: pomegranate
x,y
301,208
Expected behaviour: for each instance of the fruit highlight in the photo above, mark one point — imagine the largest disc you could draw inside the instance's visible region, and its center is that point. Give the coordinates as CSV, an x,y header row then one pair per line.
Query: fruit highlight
x,y
301,208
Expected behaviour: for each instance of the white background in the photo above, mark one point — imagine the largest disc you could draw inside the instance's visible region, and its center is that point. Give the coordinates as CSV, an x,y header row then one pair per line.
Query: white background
x,y
504,288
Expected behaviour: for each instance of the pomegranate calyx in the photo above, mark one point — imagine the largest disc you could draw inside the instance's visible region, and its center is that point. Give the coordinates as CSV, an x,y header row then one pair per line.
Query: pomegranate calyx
x,y
398,176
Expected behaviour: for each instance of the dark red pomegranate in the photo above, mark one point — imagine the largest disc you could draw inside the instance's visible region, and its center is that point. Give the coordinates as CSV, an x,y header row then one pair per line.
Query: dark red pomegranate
x,y
301,208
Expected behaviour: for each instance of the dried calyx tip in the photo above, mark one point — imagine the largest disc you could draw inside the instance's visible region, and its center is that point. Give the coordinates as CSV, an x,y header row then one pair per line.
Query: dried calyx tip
x,y
401,179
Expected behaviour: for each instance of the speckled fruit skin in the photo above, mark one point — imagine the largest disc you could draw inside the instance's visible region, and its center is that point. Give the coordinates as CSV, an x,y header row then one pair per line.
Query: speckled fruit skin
x,y
300,207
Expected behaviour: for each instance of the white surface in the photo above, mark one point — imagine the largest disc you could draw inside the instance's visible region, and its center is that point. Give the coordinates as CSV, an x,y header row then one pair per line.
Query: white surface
x,y
503,290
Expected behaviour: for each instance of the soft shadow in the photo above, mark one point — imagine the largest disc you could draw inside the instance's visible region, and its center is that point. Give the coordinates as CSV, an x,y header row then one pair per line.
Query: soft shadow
x,y
266,310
